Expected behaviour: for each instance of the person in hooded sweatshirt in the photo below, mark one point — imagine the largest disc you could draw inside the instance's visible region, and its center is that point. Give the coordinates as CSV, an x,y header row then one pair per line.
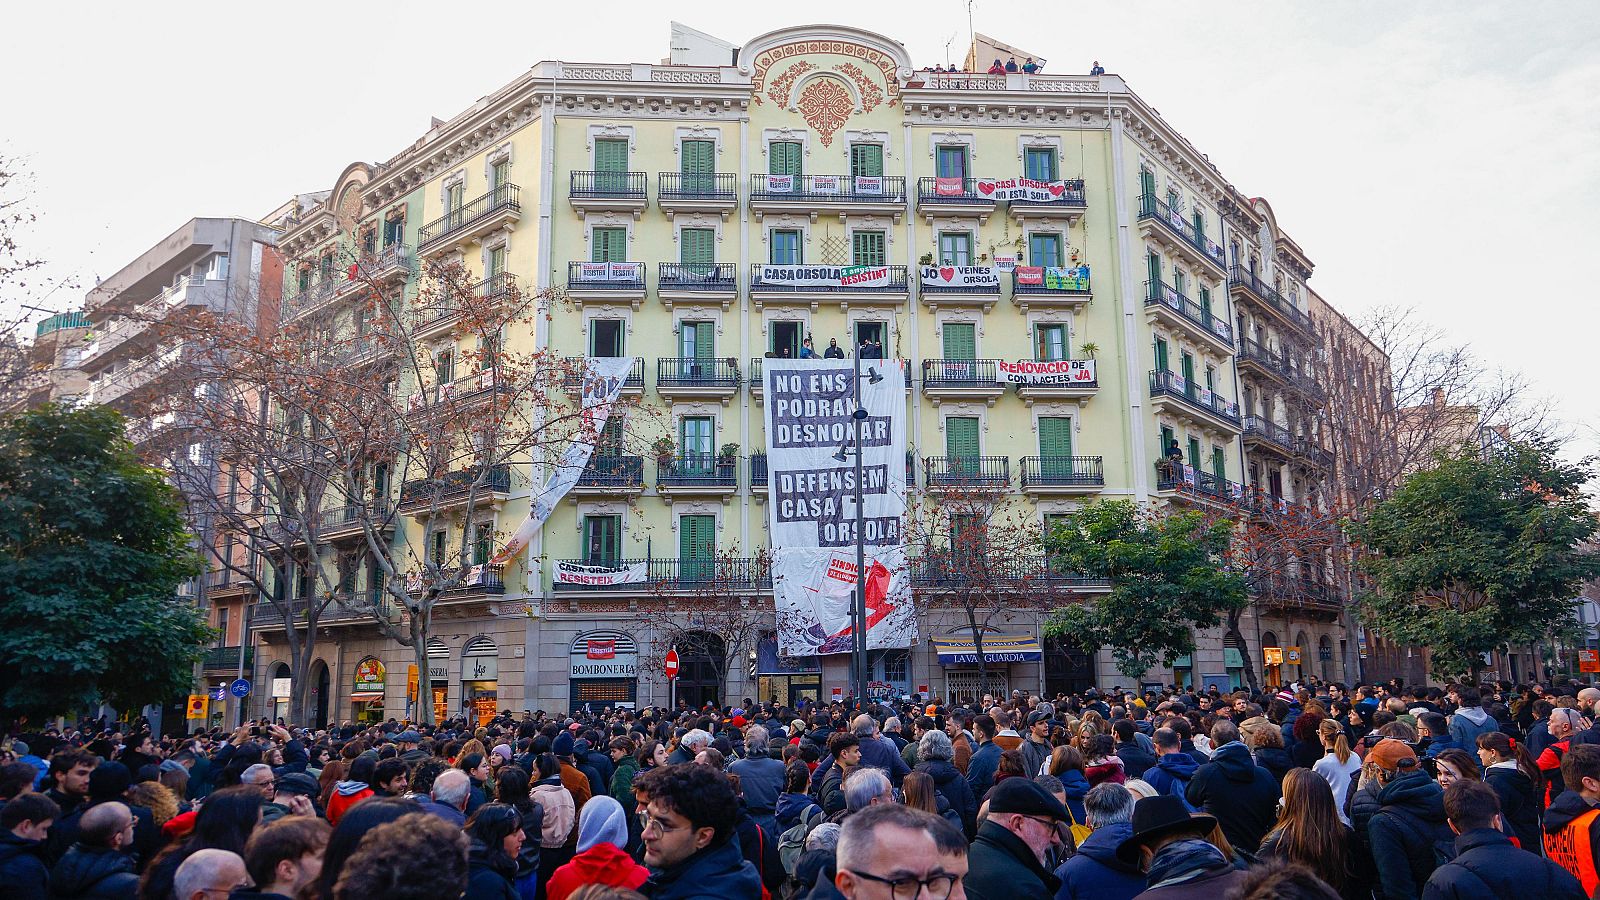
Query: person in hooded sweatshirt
x,y
1231,787
1408,834
1470,719
935,754
352,790
1095,872
602,834
1174,769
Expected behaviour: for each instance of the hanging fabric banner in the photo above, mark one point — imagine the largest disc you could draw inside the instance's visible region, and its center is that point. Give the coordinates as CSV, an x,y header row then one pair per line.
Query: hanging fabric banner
x,y
1022,189
574,573
812,515
780,184
611,271
603,378
949,186
827,276
825,184
1059,372
869,184
961,276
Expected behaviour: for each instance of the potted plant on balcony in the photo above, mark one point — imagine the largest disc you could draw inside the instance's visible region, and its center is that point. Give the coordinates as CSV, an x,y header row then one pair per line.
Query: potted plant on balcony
x,y
726,457
1088,350
664,447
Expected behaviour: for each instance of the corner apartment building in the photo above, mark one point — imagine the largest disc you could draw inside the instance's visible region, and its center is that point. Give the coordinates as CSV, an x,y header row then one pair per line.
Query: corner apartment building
x,y
128,360
653,195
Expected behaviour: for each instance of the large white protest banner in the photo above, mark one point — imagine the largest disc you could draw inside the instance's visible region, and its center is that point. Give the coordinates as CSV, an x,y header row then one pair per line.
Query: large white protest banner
x,y
812,515
827,276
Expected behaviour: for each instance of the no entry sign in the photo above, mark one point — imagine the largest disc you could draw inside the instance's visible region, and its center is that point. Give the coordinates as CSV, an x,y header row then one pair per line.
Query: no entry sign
x,y
671,665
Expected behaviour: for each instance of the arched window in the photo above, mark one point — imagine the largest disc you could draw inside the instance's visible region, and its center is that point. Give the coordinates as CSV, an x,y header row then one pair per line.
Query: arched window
x,y
481,645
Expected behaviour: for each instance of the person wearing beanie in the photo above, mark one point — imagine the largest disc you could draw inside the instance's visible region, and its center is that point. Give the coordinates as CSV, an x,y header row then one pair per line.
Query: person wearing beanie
x,y
572,778
602,835
108,783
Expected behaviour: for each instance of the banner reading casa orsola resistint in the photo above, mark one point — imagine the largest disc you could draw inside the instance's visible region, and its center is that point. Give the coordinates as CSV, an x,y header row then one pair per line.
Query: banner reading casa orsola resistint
x,y
827,276
1061,372
812,518
603,378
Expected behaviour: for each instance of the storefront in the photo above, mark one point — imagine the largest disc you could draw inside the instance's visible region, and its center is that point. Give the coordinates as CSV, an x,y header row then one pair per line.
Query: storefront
x,y
1230,679
604,671
786,680
480,679
366,696
1271,660
959,658
280,695
439,678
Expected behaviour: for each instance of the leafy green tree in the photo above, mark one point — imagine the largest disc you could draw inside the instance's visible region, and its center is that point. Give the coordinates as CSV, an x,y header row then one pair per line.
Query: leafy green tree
x,y
1167,575
1482,550
92,550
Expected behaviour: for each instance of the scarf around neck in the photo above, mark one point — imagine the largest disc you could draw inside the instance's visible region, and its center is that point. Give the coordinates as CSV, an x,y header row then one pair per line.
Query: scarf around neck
x,y
1182,861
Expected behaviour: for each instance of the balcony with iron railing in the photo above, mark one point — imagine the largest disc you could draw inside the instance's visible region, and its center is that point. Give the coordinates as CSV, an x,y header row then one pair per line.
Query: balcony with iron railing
x,y
1192,398
1250,285
772,283
572,379
476,579
952,569
1168,226
953,379
486,488
1263,359
336,611
608,191
758,473
1167,303
444,311
1264,434
1070,203
717,575
809,193
226,659
697,473
1062,474
1069,282
967,473
1297,592
352,518
1311,453
696,283
606,281
1184,480
499,208
953,196
683,377
611,473
758,384
696,192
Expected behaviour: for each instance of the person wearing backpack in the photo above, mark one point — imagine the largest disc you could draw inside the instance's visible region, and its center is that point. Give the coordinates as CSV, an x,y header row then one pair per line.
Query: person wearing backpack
x,y
1173,769
1409,835
1487,865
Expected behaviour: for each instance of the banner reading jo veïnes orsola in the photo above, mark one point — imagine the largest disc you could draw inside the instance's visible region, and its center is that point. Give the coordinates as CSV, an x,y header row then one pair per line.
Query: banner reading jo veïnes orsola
x,y
811,503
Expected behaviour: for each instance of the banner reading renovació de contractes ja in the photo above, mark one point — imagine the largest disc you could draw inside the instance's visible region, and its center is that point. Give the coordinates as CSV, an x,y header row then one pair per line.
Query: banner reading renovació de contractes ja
x,y
1057,372
603,378
812,515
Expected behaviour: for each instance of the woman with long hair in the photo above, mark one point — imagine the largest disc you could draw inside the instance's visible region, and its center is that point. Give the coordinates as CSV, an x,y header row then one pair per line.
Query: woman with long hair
x,y
560,816
650,756
477,768
920,793
1066,763
1308,746
1456,765
1339,763
1102,764
1309,831
495,831
1511,770
224,822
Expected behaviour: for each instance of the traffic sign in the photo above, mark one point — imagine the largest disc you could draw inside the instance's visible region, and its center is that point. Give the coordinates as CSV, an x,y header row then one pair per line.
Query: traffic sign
x,y
197,707
672,663
1588,661
240,687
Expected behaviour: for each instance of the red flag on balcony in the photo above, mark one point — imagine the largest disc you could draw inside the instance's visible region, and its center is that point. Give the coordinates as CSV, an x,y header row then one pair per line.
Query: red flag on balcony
x,y
353,272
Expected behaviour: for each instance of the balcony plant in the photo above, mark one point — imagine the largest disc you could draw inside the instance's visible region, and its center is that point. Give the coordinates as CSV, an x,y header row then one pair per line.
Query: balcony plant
x,y
663,447
726,457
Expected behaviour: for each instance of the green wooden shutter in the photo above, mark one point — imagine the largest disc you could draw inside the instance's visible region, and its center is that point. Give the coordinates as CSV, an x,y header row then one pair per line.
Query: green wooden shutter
x,y
1194,453
1050,343
1188,372
499,174
1152,264
960,340
698,162
697,535
611,156
961,445
784,157
955,248
696,247
866,160
867,248
608,245
1044,250
1055,445
1147,183
601,537
784,248
1219,464
1161,355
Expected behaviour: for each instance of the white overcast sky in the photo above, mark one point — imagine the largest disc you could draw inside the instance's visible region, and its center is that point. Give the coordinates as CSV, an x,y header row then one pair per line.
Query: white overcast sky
x,y
1441,155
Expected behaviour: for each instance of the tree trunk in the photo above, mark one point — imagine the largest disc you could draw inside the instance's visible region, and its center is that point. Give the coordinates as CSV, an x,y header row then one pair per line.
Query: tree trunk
x,y
977,649
424,701
1244,655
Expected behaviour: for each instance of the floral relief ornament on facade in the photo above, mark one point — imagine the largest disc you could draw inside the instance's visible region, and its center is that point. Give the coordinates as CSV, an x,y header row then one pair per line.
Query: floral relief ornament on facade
x,y
826,105
871,95
779,91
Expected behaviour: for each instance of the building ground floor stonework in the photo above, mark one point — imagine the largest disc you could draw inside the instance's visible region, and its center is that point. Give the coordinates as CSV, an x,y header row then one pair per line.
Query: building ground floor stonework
x,y
515,656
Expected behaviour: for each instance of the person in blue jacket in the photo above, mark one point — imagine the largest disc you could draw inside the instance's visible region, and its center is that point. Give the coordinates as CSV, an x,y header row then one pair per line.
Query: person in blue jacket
x,y
1095,871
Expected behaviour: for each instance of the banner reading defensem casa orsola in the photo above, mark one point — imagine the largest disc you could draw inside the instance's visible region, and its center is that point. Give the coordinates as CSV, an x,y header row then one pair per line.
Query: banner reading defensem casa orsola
x,y
812,517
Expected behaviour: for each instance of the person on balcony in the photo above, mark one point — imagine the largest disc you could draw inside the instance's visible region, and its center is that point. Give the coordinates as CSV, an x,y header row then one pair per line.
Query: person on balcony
x,y
1030,66
1097,69
807,351
834,351
1174,460
1011,64
998,68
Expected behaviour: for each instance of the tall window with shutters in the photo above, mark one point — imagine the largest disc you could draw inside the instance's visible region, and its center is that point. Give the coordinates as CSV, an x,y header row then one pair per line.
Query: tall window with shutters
x,y
1044,249
1039,163
961,445
697,161
783,158
602,536
697,547
866,160
1055,446
784,247
955,248
1050,342
611,166
867,248
696,250
609,244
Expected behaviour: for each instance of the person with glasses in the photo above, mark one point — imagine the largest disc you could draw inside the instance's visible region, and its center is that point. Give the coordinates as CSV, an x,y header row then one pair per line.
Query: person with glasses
x,y
689,843
895,852
209,874
1025,826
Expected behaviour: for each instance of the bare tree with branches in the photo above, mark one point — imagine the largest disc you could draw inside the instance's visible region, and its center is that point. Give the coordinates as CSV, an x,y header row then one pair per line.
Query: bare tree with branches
x,y
712,607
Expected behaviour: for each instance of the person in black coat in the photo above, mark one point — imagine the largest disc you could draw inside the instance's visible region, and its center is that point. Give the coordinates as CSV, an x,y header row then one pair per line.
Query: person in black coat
x,y
1408,834
1487,865
1516,779
1135,759
97,866
495,830
1231,787
935,752
1006,860
24,822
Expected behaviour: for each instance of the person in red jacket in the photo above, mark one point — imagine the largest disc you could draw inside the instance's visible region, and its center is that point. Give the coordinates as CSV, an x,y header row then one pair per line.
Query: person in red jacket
x,y
353,790
602,833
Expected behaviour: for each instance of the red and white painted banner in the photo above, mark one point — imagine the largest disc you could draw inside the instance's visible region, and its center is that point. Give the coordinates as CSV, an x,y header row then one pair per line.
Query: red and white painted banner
x,y
1022,189
574,573
1059,372
960,276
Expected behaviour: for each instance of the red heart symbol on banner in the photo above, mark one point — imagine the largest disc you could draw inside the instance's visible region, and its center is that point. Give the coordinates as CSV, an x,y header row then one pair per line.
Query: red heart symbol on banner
x,y
986,188
1057,190
947,273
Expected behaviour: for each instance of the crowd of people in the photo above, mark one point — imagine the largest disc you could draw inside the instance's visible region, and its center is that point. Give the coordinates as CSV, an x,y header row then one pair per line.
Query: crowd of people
x,y
1313,791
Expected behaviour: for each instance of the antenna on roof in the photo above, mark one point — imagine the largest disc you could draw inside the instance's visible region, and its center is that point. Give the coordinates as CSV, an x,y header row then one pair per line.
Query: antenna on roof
x,y
972,36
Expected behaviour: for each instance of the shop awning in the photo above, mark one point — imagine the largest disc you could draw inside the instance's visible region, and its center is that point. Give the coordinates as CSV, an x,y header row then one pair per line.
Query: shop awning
x,y
364,696
997,648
